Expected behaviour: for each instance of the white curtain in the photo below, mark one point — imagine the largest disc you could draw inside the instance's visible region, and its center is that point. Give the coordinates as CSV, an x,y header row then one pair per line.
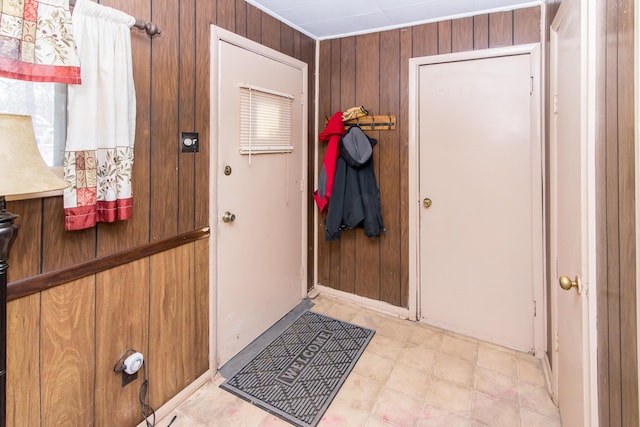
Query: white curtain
x,y
102,113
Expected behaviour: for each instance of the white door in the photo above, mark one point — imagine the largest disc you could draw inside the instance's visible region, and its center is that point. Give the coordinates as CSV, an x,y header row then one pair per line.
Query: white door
x,y
571,151
260,212
480,184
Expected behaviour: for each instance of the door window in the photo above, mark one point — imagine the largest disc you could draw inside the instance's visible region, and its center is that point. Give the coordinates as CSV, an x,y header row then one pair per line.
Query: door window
x,y
265,121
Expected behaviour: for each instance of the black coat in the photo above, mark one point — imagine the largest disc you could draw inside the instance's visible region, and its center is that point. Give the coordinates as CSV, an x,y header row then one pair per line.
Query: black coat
x,y
355,200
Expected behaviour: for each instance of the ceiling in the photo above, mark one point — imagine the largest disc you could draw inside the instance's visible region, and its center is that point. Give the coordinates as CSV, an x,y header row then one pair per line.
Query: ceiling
x,y
325,19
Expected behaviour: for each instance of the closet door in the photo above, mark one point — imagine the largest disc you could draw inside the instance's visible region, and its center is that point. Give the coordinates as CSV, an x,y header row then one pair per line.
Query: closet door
x,y
480,188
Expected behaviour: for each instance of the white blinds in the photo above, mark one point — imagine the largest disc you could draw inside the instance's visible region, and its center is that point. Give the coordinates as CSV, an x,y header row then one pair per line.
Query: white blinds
x,y
265,121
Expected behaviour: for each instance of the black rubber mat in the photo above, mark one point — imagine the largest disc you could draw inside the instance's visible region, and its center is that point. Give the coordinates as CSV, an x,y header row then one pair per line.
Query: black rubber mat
x,y
297,376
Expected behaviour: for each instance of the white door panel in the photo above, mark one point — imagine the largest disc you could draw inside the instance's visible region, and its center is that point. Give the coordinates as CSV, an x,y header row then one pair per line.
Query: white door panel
x,y
571,151
259,261
480,166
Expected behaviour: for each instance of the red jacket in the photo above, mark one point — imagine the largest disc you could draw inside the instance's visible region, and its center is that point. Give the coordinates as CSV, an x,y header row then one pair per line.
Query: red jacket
x,y
332,132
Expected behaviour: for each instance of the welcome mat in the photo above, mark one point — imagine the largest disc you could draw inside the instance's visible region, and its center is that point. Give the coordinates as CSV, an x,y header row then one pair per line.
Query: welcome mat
x,y
297,376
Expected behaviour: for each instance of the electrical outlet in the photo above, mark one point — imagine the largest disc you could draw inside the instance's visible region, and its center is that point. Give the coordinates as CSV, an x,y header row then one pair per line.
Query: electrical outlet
x,y
189,142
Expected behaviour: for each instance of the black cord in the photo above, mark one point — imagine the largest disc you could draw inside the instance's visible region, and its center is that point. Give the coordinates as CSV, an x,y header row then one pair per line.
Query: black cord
x,y
119,366
147,411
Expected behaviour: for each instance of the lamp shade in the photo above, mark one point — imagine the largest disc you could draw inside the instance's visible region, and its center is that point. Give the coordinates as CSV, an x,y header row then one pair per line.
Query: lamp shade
x,y
22,169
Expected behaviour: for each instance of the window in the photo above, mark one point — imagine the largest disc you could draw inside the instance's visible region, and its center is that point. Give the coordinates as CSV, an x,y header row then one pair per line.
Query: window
x,y
46,103
265,121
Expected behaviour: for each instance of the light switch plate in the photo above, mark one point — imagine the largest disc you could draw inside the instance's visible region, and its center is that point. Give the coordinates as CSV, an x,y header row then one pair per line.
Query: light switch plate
x,y
189,142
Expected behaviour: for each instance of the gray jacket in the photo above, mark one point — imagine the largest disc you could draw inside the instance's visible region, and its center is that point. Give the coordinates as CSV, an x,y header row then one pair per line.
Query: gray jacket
x,y
355,201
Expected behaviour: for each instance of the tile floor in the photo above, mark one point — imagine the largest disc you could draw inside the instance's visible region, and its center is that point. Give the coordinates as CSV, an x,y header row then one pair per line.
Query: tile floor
x,y
409,375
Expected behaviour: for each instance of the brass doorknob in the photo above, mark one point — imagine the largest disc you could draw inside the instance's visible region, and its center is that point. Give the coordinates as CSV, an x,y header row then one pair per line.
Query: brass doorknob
x,y
427,203
228,217
566,283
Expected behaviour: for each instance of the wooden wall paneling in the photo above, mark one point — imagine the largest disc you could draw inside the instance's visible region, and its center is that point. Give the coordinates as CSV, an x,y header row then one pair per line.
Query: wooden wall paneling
x,y
121,325
343,251
23,362
164,120
602,212
501,29
137,227
287,41
67,351
201,275
462,34
49,280
480,31
241,18
299,52
308,55
406,49
164,125
617,330
425,40
626,164
171,365
389,167
325,79
336,105
367,253
24,259
226,16
205,16
305,50
526,25
270,31
254,23
612,297
336,69
187,188
444,37
61,248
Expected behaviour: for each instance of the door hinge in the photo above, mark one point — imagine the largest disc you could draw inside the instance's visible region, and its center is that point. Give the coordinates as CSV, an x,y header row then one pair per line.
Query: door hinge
x,y
302,185
535,308
555,104
301,272
531,89
556,342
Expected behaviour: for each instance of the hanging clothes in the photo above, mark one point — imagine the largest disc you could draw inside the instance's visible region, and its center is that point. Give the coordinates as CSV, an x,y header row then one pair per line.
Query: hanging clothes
x,y
332,133
355,200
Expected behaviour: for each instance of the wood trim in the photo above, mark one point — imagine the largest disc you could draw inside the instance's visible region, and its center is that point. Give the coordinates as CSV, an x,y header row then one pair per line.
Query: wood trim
x,y
35,284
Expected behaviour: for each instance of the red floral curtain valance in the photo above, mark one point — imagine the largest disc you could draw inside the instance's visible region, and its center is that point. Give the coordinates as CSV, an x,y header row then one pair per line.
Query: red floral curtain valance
x,y
36,41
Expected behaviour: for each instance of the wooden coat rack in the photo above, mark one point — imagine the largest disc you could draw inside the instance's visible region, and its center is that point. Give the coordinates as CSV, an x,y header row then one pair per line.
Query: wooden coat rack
x,y
387,122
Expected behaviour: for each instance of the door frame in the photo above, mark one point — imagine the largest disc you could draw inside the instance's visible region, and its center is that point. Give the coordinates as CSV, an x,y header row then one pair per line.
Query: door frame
x,y
589,261
534,49
636,66
219,35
